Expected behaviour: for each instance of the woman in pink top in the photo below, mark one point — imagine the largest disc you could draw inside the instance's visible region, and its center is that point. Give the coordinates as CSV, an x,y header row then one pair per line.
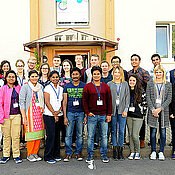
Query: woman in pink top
x,y
10,118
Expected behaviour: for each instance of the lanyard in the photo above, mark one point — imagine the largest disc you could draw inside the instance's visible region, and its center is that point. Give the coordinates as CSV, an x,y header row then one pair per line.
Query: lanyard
x,y
118,90
14,93
159,90
97,90
36,97
21,81
57,94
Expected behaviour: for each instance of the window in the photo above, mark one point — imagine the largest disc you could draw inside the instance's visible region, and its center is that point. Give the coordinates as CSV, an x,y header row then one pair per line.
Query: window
x,y
165,40
72,12
69,37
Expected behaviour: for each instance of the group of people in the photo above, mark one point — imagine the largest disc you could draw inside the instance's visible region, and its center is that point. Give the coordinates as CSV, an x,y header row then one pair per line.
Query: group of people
x,y
64,98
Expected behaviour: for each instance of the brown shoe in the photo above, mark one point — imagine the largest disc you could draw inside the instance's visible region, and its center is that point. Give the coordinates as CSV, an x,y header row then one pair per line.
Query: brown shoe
x,y
142,144
66,159
79,157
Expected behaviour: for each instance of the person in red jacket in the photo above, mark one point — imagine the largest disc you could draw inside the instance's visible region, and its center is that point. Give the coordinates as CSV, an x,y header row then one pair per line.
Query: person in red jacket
x,y
97,103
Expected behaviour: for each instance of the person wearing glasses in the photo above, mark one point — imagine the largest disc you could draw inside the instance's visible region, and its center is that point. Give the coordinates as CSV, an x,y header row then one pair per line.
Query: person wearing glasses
x,y
10,117
20,72
31,63
44,74
116,61
156,60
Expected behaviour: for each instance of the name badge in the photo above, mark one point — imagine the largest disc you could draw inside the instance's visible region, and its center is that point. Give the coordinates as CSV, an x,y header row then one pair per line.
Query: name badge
x,y
99,102
76,103
117,102
37,104
132,109
158,101
15,105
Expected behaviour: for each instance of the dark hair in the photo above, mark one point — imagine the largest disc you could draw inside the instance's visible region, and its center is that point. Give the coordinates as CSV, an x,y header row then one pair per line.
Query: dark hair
x,y
56,56
135,55
33,72
4,62
40,73
94,55
53,72
13,72
96,68
75,69
155,55
137,89
115,57
20,60
71,66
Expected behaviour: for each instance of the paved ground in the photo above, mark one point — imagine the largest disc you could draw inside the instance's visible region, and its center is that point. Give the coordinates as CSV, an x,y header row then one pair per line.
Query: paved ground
x,y
125,167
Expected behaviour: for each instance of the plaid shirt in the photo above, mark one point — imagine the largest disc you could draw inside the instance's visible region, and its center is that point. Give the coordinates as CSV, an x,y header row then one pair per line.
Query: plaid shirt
x,y
143,76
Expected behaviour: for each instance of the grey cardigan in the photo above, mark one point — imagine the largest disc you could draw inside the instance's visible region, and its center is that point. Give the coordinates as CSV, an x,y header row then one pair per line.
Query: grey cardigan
x,y
151,96
25,97
124,97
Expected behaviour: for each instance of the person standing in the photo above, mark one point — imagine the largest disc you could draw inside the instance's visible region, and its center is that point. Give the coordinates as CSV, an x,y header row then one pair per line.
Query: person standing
x,y
137,110
79,64
53,95
10,118
143,77
31,101
44,75
97,103
31,64
158,95
57,64
120,104
73,113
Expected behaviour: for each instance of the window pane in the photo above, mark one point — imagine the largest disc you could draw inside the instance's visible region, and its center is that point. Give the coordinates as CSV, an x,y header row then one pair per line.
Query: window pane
x,y
161,41
173,41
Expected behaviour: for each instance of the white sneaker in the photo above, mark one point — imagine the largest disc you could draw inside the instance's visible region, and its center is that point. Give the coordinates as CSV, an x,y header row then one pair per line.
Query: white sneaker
x,y
131,156
153,156
161,156
137,156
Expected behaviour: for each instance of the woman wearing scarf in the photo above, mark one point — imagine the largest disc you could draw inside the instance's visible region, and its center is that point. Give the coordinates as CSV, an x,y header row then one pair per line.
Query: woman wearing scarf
x,y
31,103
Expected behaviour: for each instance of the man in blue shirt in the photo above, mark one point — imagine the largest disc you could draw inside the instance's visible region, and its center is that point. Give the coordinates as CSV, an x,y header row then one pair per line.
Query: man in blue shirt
x,y
73,112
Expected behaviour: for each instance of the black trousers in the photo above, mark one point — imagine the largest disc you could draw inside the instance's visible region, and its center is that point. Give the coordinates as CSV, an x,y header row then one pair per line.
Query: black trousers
x,y
172,121
52,147
62,129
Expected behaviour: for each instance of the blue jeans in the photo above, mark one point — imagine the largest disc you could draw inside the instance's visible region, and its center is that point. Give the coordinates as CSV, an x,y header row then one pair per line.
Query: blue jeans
x,y
121,121
91,128
77,117
153,132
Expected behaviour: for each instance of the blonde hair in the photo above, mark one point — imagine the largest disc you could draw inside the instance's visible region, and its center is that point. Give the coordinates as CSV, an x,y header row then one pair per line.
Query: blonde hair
x,y
122,78
32,59
159,67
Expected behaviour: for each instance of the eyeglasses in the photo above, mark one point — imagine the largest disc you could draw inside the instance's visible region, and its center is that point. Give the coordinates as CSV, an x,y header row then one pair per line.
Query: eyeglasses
x,y
156,59
20,66
31,63
115,62
136,59
45,68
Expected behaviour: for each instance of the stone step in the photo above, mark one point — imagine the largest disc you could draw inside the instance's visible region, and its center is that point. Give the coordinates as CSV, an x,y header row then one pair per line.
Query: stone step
x,y
145,152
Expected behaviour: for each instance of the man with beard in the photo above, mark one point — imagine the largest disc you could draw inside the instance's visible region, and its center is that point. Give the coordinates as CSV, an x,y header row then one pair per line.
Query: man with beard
x,y
73,112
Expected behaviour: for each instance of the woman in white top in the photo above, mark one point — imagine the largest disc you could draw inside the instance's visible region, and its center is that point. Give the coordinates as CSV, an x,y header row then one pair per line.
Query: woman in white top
x,y
53,95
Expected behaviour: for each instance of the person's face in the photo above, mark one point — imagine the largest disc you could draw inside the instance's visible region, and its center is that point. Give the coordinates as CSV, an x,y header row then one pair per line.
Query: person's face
x,y
54,78
115,63
11,78
117,74
135,61
94,61
34,78
159,74
132,81
45,70
66,66
79,60
56,62
105,67
31,64
19,67
5,67
156,61
96,75
75,76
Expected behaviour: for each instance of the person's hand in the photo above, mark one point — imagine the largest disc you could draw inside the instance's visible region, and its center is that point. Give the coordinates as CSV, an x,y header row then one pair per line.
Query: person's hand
x,y
91,114
124,114
66,121
154,113
171,116
25,121
56,119
85,120
57,112
158,110
108,118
